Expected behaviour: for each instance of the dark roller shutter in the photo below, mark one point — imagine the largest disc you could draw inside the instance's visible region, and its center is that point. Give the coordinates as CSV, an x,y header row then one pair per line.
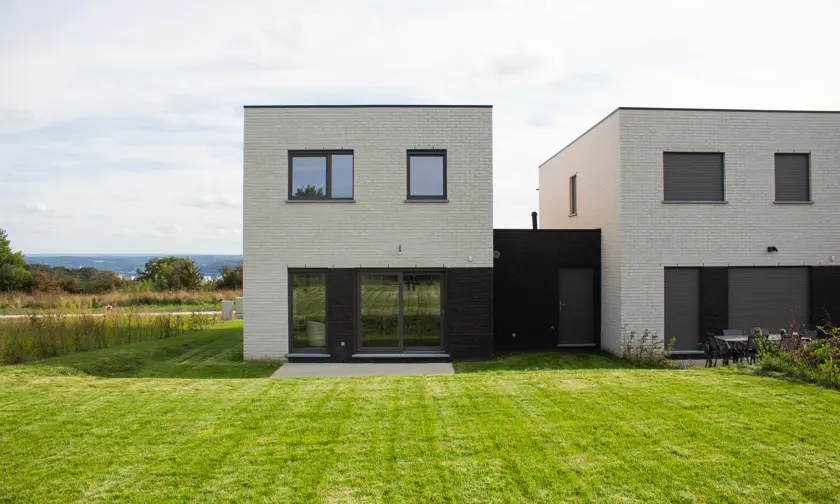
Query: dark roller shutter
x,y
765,297
693,176
792,177
682,307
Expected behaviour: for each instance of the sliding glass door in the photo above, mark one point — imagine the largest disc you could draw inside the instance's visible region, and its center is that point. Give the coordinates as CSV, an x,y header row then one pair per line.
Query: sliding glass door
x,y
401,311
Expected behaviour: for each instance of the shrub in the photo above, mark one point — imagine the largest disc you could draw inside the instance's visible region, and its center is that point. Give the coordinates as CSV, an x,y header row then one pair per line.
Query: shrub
x,y
817,361
647,349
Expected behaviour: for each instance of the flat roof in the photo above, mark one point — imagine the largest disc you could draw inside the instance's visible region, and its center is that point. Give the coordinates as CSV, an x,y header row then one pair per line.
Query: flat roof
x,y
687,109
368,106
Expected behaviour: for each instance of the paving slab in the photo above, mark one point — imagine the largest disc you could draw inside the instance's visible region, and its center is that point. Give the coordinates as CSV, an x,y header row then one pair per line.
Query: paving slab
x,y
298,369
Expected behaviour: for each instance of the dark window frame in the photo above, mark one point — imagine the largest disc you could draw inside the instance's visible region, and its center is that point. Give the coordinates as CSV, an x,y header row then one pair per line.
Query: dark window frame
x,y
308,350
400,335
722,178
327,155
425,153
807,156
573,195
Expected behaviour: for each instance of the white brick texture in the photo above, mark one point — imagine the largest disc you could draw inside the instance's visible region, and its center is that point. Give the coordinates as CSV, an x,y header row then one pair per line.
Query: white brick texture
x,y
366,233
594,158
655,235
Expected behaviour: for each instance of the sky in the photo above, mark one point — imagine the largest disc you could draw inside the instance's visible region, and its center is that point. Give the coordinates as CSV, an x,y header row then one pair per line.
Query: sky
x,y
121,121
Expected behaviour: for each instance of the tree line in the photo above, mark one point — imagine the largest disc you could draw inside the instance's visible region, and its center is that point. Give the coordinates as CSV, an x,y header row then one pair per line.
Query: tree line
x,y
159,274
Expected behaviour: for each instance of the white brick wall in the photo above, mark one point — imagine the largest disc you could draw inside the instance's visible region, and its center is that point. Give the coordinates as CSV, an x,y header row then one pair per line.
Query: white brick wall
x,y
367,233
653,235
656,235
594,158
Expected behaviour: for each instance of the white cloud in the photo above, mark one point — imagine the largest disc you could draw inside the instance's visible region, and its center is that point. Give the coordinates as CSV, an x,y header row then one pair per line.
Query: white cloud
x,y
113,128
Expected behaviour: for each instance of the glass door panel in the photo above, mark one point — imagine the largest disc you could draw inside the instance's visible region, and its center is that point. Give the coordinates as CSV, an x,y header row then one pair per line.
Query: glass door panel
x,y
380,311
421,310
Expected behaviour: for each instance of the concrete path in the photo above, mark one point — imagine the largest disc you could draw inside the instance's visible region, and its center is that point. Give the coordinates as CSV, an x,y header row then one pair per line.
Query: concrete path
x,y
143,314
297,369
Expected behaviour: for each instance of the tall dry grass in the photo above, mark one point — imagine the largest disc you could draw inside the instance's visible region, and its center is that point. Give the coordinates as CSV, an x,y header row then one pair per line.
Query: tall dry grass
x,y
40,337
11,302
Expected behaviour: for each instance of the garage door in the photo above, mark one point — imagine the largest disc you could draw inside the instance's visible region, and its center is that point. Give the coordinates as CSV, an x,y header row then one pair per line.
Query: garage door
x,y
682,307
767,297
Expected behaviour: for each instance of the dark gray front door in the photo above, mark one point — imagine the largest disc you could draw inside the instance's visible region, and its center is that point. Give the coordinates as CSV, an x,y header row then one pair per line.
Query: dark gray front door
x,y
576,327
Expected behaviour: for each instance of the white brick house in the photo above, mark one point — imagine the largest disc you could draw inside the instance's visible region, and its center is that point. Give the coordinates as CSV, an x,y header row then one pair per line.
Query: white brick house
x,y
340,200
692,204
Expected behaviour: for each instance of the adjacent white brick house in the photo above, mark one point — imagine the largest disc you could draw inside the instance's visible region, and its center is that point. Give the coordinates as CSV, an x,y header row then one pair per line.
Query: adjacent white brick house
x,y
378,227
620,167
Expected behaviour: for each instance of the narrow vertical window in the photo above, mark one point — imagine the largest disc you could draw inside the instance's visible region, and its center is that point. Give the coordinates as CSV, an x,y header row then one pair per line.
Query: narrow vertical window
x,y
573,195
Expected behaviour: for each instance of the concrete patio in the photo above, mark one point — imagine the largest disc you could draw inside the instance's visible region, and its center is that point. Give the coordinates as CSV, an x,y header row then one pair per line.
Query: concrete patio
x,y
299,369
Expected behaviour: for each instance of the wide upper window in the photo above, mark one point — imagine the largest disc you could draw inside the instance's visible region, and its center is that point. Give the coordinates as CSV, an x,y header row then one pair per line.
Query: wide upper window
x,y
793,178
320,175
693,177
426,174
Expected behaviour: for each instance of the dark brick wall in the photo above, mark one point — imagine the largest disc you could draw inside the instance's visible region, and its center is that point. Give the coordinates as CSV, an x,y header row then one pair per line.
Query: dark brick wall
x,y
714,300
825,295
468,313
526,282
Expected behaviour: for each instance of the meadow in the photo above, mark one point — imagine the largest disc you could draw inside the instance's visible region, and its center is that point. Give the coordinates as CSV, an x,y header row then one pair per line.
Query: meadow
x,y
40,337
16,302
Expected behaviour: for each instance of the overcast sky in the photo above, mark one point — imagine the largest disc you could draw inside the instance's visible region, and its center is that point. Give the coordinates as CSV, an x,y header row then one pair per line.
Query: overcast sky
x,y
121,121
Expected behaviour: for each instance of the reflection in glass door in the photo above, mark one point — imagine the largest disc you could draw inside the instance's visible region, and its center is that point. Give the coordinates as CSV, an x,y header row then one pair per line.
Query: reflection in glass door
x,y
421,310
401,311
380,306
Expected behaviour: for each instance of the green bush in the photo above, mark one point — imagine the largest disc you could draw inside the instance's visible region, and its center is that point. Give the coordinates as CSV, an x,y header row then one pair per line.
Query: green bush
x,y
817,361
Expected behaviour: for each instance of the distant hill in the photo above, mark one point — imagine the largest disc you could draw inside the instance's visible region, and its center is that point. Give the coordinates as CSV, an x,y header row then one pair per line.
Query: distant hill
x,y
129,264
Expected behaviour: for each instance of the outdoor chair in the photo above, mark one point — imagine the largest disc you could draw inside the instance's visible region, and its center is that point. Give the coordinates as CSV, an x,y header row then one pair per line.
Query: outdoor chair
x,y
751,348
789,342
716,350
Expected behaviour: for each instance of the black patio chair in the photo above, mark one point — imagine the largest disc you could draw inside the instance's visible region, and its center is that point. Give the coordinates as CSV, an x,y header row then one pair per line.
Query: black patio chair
x,y
751,348
716,351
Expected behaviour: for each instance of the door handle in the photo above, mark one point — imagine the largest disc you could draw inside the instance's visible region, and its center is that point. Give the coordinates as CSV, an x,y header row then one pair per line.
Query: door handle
x,y
562,304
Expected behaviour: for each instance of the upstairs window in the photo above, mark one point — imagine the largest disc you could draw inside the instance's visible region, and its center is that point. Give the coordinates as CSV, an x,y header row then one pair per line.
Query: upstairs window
x,y
573,195
320,175
793,178
695,177
427,175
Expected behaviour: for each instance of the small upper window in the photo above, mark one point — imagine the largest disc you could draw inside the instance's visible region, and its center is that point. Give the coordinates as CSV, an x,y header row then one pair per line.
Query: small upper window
x,y
315,175
793,178
426,174
573,195
692,176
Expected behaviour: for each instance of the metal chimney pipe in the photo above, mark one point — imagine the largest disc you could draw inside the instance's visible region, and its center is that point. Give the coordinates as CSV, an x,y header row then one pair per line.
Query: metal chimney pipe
x,y
534,220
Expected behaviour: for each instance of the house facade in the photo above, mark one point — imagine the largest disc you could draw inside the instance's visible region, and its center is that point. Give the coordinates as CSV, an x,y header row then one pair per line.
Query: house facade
x,y
710,219
368,232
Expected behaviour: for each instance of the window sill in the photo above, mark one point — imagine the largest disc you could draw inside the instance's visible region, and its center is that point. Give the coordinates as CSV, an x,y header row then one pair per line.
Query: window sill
x,y
427,201
405,355
573,214
793,202
698,202
320,201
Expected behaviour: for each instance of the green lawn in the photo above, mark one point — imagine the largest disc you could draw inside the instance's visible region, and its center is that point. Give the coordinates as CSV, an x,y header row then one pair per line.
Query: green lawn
x,y
124,425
